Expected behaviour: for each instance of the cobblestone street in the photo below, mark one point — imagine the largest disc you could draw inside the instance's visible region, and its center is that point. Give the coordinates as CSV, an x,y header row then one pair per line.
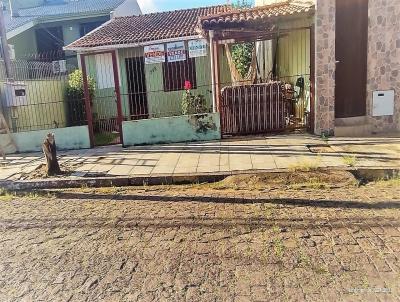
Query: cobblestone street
x,y
181,244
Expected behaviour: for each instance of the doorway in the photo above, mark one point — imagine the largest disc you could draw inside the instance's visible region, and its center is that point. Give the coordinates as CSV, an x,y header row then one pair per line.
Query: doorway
x,y
351,58
136,76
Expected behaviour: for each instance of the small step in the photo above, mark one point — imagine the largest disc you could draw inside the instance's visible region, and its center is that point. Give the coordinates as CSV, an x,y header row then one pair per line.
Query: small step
x,y
353,131
357,126
351,121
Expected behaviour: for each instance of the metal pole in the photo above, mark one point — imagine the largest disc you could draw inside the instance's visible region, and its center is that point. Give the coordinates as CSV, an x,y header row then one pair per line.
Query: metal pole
x,y
5,49
88,100
117,94
212,59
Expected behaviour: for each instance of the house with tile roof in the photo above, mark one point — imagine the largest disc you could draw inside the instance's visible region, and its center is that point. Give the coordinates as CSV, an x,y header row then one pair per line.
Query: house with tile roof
x,y
324,66
46,26
158,54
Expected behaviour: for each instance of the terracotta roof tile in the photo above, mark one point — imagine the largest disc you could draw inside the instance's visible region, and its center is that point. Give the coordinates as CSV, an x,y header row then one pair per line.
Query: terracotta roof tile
x,y
236,17
149,27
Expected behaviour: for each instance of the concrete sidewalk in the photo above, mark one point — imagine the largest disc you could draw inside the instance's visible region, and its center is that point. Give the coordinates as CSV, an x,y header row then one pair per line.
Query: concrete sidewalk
x,y
253,154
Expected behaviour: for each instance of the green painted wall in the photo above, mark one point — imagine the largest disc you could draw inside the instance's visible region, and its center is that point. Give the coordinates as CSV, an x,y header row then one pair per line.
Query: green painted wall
x,y
45,106
24,44
163,103
104,101
160,103
224,69
71,138
201,127
294,56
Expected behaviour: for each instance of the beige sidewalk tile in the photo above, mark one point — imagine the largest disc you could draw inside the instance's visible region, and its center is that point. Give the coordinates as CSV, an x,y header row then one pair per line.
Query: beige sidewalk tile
x,y
121,170
163,170
141,170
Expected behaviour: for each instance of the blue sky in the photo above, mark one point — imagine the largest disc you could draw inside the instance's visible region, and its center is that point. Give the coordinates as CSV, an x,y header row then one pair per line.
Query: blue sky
x,y
164,5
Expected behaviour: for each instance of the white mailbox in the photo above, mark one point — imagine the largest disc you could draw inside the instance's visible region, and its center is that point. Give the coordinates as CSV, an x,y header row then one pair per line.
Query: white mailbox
x,y
14,94
383,102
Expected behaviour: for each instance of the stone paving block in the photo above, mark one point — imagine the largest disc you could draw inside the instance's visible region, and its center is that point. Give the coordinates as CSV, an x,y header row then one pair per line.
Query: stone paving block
x,y
101,168
240,162
141,170
163,169
182,170
263,162
209,158
188,160
156,244
85,168
239,154
208,168
121,170
224,159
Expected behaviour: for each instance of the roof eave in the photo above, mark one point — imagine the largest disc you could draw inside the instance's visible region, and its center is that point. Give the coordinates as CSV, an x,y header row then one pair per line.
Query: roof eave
x,y
203,28
54,18
129,45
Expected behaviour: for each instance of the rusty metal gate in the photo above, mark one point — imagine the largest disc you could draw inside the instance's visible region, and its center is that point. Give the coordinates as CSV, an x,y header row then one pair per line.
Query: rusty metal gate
x,y
255,109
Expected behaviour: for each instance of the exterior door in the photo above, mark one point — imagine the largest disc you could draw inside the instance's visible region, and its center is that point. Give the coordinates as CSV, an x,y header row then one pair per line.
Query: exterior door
x,y
351,57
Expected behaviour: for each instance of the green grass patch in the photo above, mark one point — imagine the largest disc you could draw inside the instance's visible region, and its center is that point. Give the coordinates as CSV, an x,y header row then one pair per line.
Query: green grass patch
x,y
5,195
104,139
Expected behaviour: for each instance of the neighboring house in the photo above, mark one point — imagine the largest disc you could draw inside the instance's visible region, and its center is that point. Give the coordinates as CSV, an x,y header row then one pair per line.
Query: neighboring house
x,y
45,26
152,79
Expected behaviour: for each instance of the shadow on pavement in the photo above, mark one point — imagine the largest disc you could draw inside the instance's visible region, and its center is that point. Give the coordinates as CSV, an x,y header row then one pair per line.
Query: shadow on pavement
x,y
233,200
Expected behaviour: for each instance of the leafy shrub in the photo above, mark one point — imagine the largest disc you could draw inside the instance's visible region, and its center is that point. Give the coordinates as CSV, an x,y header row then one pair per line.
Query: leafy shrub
x,y
74,90
242,55
74,95
193,104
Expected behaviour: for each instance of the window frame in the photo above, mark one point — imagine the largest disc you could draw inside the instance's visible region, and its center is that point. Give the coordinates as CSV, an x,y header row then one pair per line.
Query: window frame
x,y
191,75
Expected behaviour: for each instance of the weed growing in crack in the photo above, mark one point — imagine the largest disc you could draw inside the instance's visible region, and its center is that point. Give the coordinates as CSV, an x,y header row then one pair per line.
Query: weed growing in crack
x,y
306,165
303,259
6,196
350,160
279,248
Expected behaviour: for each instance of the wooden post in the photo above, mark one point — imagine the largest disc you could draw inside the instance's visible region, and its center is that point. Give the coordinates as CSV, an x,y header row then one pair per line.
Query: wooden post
x,y
88,101
217,76
117,94
212,60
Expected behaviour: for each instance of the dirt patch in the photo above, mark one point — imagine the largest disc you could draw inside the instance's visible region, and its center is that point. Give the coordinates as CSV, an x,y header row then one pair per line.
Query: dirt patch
x,y
320,149
41,172
298,179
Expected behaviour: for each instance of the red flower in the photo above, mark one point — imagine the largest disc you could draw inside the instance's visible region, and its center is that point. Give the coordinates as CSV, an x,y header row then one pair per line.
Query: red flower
x,y
188,85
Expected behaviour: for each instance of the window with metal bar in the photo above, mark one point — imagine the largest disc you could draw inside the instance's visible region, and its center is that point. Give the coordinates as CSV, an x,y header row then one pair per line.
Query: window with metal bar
x,y
177,73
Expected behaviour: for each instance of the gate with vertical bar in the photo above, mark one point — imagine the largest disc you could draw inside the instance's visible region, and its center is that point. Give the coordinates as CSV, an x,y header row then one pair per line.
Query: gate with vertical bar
x,y
254,109
103,107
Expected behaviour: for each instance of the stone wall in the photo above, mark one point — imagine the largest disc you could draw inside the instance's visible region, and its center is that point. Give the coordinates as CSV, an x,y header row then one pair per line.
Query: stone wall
x,y
325,66
384,59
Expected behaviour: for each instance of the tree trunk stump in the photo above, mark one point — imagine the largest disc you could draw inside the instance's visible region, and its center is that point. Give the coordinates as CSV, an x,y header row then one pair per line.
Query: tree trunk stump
x,y
50,152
